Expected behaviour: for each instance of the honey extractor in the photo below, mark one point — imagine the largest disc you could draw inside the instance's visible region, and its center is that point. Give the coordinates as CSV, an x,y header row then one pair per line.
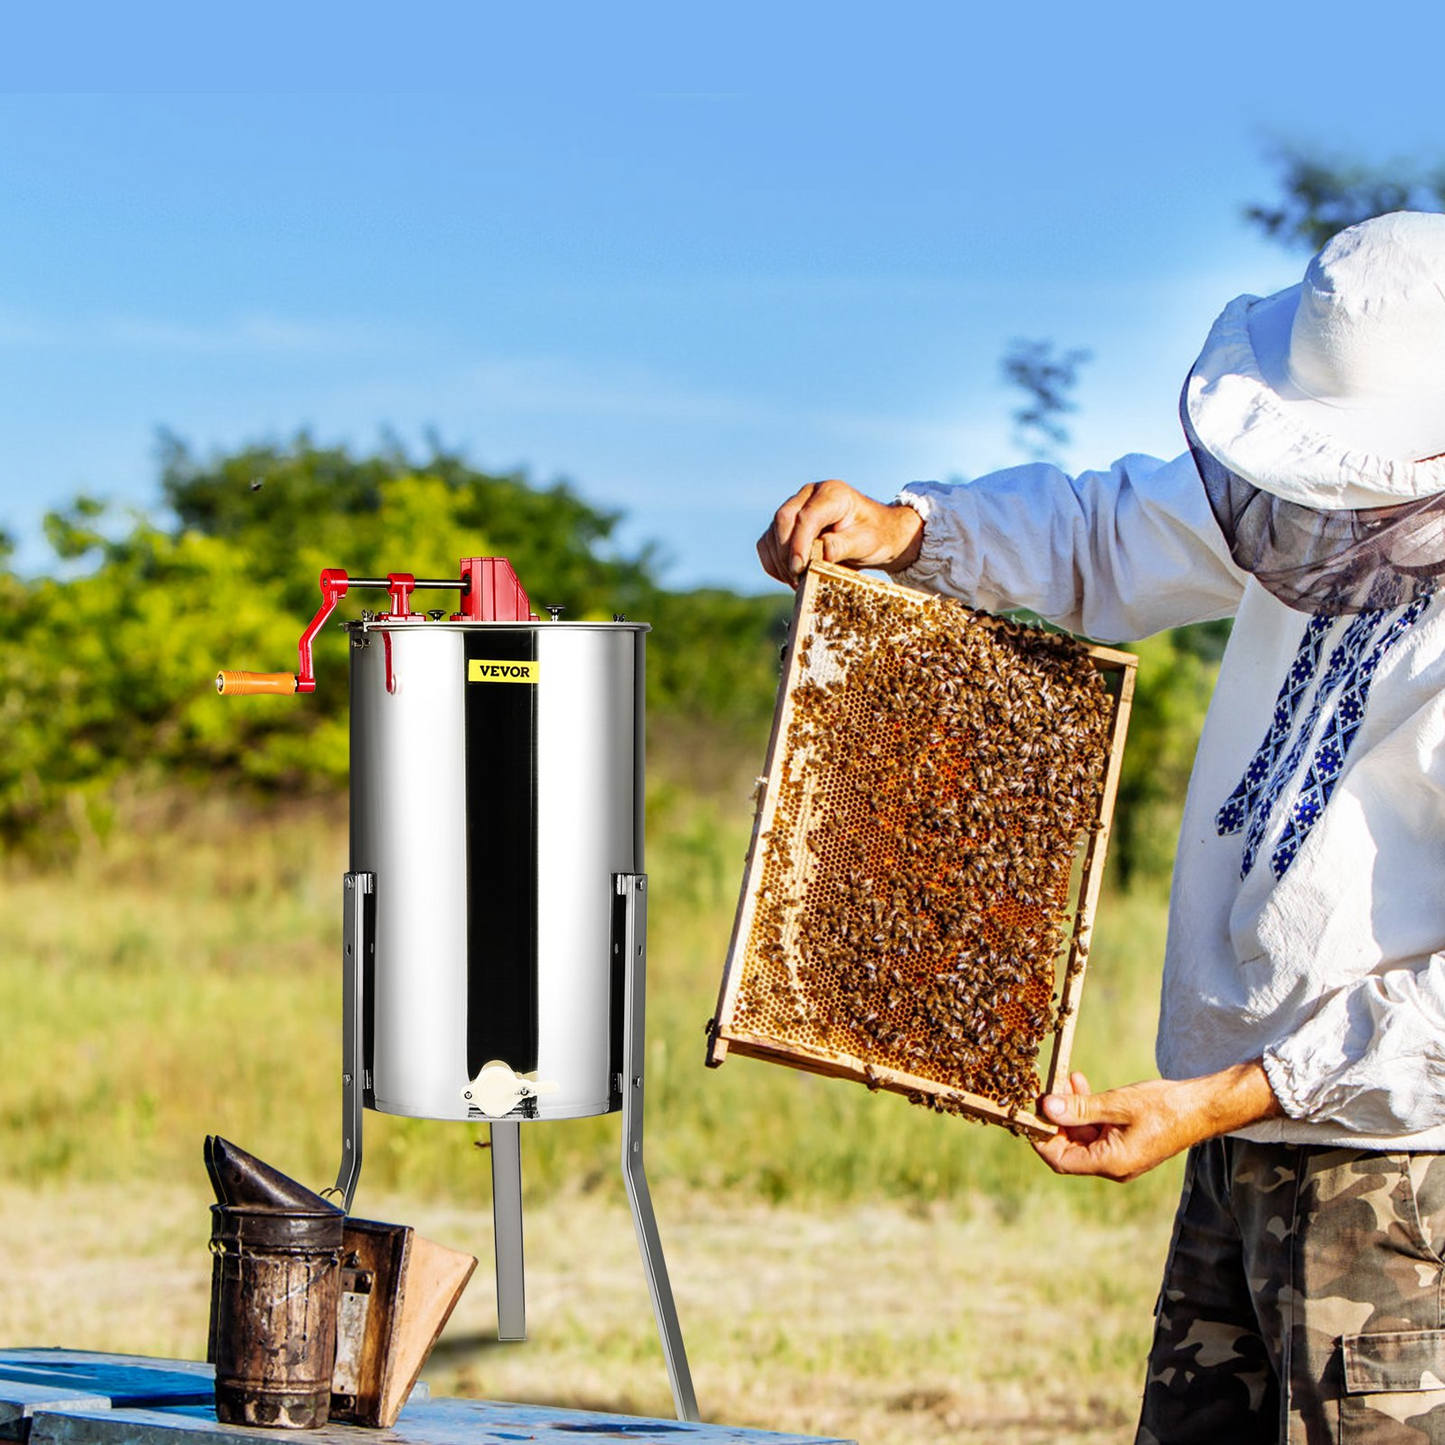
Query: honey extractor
x,y
495,906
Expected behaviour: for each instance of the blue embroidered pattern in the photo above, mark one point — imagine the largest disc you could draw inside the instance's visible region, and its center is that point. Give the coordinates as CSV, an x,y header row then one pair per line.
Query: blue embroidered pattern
x,y
1343,659
1242,801
1329,759
1351,672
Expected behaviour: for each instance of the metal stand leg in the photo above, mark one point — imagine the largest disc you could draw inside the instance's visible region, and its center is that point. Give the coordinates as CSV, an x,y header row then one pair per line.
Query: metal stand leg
x,y
507,1230
356,941
632,887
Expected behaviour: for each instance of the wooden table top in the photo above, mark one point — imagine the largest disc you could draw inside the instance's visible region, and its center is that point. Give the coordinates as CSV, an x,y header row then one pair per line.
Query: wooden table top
x,y
74,1397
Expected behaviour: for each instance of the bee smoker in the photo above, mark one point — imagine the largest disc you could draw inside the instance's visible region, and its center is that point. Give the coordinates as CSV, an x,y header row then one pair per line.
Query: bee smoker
x,y
495,910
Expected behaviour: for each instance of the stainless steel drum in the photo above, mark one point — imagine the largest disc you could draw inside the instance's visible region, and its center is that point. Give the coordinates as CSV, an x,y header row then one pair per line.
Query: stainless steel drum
x,y
496,791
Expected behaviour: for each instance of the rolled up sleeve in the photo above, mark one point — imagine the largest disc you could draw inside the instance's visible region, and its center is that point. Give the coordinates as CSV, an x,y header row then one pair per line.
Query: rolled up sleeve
x,y
1115,555
1371,1056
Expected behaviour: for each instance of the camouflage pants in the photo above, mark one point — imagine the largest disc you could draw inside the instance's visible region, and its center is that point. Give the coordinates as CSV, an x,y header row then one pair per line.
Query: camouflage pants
x,y
1302,1300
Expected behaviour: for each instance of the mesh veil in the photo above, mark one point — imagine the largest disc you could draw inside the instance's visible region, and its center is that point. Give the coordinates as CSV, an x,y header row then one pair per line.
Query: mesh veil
x,y
1325,561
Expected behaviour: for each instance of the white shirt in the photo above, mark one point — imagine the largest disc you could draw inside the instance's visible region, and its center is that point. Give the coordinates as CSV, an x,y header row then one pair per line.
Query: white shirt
x,y
1306,916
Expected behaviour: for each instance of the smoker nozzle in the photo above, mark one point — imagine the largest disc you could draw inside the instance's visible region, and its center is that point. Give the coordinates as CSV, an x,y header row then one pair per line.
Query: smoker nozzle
x,y
242,1179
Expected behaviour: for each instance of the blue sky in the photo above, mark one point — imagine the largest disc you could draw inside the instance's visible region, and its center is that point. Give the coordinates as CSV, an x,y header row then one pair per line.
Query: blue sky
x,y
688,258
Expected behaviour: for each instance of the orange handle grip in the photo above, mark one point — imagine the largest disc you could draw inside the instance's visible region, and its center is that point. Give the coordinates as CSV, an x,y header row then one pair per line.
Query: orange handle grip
x,y
230,684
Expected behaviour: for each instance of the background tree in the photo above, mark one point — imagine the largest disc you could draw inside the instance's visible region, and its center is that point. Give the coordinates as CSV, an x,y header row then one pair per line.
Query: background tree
x,y
1321,195
108,668
1047,379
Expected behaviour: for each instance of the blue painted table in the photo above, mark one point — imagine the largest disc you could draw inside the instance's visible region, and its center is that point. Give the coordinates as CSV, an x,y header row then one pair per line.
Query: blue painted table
x,y
69,1397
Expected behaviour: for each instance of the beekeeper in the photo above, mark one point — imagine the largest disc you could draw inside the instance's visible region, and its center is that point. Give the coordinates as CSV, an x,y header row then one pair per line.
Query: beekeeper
x,y
1302,1026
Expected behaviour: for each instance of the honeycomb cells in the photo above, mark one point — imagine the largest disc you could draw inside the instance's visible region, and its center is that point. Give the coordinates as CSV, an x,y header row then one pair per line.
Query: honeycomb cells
x,y
939,773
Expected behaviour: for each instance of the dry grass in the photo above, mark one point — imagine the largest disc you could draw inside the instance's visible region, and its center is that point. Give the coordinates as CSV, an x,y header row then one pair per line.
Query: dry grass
x,y
880,1323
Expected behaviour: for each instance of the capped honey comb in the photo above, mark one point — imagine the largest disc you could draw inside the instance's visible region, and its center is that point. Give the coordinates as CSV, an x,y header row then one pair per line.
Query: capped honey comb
x,y
928,850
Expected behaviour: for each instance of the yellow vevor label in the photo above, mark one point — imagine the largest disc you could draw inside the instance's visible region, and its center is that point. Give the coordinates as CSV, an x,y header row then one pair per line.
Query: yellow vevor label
x,y
479,670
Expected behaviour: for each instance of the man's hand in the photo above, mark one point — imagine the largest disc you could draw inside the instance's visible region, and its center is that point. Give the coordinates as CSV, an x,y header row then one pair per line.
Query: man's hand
x,y
1123,1133
855,530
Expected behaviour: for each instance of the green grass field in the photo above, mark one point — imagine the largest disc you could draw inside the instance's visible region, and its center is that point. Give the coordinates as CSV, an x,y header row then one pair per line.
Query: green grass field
x,y
181,977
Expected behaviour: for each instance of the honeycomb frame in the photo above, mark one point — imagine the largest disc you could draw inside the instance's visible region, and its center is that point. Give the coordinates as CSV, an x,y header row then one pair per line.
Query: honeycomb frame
x,y
810,938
